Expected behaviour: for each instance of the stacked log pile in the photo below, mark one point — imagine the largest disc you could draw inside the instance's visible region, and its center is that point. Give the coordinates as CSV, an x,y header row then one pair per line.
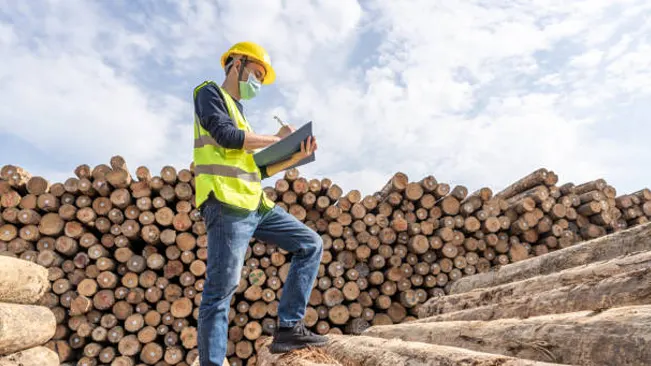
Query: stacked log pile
x,y
589,304
25,326
126,254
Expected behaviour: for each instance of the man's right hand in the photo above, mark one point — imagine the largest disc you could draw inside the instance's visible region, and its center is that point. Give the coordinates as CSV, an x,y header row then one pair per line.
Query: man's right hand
x,y
285,131
253,141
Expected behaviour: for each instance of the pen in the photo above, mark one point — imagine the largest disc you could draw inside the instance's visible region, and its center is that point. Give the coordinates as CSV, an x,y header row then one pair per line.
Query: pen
x,y
279,121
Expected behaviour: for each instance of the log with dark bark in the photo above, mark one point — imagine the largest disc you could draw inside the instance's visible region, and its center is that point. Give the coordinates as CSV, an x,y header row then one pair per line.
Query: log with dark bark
x,y
529,181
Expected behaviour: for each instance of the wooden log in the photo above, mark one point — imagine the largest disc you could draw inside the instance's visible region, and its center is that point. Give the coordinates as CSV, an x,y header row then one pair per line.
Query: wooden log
x,y
21,281
595,185
37,185
531,180
619,267
428,183
24,326
614,336
35,356
397,183
51,224
606,247
629,288
371,351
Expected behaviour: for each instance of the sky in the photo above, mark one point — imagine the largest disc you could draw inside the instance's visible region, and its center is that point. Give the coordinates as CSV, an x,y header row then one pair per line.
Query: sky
x,y
476,93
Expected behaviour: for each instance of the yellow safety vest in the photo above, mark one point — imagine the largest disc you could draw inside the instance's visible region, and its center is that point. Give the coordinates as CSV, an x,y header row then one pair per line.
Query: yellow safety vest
x,y
231,174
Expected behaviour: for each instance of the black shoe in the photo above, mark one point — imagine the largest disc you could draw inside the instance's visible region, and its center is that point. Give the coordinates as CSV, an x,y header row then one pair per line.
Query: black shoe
x,y
297,337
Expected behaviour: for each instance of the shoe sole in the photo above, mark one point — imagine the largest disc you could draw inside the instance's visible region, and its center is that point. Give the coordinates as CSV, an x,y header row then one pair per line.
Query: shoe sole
x,y
285,347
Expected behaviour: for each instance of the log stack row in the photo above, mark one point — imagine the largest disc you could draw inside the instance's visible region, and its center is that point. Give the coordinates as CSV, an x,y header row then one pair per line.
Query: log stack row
x,y
25,326
126,255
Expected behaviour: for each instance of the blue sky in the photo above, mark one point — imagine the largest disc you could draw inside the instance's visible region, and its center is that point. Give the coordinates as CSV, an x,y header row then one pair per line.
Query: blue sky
x,y
476,93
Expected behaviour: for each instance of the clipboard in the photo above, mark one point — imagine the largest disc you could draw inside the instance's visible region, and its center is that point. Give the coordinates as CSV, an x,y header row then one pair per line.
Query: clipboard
x,y
283,149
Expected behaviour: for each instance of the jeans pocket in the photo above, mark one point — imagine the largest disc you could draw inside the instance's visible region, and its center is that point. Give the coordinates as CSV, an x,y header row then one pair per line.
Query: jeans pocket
x,y
212,213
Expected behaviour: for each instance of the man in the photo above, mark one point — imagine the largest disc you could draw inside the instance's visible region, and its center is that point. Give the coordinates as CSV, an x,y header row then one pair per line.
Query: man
x,y
231,200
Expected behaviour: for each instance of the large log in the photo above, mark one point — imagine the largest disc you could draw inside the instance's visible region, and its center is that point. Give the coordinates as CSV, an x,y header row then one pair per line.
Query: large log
x,y
617,336
21,281
24,326
529,181
36,356
628,265
629,288
634,239
371,351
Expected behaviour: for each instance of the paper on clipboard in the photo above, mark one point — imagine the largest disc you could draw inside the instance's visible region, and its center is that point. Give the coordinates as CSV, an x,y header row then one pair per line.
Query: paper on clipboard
x,y
284,148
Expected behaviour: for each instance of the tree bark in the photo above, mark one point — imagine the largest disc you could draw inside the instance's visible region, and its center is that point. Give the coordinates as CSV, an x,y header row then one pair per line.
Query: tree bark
x,y
629,288
610,246
303,357
616,336
529,181
625,266
370,351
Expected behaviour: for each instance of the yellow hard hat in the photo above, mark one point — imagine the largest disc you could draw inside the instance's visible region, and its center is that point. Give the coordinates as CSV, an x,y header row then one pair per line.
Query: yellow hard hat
x,y
256,52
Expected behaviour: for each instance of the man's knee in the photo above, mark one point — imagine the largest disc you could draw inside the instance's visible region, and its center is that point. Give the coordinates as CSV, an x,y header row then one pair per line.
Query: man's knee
x,y
219,287
315,243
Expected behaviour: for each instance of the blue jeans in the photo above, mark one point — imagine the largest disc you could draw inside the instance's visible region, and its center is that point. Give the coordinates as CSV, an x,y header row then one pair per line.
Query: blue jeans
x,y
229,230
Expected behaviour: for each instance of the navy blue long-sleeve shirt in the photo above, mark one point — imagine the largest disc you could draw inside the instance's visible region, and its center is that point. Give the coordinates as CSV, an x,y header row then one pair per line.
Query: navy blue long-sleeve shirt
x,y
213,116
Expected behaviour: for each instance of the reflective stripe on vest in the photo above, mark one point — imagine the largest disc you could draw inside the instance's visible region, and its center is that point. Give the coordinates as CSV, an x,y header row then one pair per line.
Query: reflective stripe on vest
x,y
203,140
227,171
230,174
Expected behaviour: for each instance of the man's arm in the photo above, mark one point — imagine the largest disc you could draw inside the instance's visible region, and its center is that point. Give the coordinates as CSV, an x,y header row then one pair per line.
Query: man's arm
x,y
214,117
255,141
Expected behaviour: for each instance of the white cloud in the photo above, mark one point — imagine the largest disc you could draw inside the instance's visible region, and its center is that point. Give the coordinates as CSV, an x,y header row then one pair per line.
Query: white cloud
x,y
588,59
7,35
474,93
71,91
455,93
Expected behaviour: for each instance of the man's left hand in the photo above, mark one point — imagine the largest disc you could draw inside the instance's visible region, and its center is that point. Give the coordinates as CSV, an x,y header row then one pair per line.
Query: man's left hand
x,y
307,148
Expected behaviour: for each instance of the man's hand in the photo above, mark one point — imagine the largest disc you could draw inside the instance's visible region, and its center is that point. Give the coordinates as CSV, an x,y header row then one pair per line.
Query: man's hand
x,y
285,131
307,148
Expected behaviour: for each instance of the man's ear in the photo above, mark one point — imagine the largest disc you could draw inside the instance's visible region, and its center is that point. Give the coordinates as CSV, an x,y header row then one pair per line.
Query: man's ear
x,y
234,65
